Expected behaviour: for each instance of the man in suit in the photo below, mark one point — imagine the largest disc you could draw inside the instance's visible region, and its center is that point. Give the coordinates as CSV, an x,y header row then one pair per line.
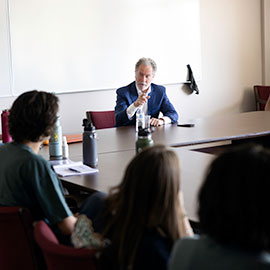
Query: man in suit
x,y
143,94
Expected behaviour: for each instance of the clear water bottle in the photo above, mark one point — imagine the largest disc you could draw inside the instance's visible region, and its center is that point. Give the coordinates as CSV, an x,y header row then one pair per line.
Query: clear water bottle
x,y
144,139
5,133
65,148
147,122
90,156
55,142
140,119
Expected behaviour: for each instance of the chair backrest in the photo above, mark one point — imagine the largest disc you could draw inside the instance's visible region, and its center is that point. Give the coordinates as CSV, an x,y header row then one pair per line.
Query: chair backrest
x,y
101,119
60,257
17,245
261,93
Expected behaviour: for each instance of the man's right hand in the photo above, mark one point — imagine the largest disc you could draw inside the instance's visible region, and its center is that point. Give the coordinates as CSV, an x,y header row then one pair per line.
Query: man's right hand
x,y
142,98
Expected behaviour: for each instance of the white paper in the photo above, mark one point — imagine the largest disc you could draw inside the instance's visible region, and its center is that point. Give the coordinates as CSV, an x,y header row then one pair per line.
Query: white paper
x,y
76,168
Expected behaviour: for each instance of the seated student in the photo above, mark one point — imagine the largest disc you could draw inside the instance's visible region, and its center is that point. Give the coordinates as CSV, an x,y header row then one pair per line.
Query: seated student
x,y
26,179
150,98
143,215
233,211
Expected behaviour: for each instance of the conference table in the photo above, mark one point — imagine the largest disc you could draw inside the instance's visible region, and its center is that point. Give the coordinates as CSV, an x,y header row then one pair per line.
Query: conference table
x,y
116,147
112,167
206,130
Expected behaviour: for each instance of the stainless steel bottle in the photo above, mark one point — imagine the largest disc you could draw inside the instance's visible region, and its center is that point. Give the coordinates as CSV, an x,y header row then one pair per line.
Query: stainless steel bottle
x,y
144,139
55,142
90,157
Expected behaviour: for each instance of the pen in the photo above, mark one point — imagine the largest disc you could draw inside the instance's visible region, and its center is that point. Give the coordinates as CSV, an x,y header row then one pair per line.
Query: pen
x,y
74,170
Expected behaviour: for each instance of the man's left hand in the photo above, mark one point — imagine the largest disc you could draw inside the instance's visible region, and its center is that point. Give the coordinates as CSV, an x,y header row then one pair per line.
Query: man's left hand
x,y
156,122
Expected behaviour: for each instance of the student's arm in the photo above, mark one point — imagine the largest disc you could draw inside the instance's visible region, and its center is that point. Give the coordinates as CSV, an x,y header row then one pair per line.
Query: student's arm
x,y
49,196
184,225
267,105
66,226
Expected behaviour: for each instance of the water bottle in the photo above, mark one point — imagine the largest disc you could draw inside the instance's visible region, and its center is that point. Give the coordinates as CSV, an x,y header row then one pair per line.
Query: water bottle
x,y
144,140
55,142
140,119
147,122
65,151
5,134
90,157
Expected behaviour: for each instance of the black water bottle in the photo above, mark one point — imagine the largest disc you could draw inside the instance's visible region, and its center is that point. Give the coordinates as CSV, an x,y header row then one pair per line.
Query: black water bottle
x,y
90,157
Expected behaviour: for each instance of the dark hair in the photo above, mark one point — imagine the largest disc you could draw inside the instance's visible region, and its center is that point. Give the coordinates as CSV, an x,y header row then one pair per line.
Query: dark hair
x,y
146,199
234,199
32,116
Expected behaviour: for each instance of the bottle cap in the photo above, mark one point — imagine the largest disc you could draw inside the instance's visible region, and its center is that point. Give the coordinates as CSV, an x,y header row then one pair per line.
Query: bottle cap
x,y
87,125
143,132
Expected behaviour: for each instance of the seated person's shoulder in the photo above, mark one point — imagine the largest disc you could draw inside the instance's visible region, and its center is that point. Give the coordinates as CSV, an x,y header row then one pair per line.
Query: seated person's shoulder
x,y
124,88
21,153
154,251
188,242
33,161
158,87
155,243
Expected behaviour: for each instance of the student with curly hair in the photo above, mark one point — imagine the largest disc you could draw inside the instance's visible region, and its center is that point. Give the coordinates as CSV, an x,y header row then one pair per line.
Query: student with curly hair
x,y
26,179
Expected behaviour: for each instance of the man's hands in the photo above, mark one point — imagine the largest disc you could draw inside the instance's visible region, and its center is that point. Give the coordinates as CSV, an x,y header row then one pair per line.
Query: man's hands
x,y
156,122
142,98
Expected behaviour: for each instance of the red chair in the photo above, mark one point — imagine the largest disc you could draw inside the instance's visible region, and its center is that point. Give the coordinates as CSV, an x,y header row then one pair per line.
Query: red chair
x,y
261,95
101,119
17,246
60,257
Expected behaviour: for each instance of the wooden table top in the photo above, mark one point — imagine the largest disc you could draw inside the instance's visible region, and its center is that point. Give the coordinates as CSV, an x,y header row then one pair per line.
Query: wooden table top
x,y
206,130
112,167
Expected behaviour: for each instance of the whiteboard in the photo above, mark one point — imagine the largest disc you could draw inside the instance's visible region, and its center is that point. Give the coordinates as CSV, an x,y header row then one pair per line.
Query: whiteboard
x,y
81,45
5,61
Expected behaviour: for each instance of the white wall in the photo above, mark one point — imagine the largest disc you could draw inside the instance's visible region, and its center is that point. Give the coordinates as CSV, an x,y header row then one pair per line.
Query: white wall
x,y
231,58
266,41
231,65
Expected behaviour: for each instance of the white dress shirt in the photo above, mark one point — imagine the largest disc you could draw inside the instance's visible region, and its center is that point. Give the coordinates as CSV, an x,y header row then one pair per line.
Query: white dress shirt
x,y
131,110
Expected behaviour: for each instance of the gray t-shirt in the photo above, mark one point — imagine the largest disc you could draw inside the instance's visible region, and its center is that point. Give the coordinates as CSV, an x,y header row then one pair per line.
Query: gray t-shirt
x,y
27,180
203,253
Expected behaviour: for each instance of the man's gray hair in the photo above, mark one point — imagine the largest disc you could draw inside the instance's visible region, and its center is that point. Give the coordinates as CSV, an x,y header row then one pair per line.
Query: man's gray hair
x,y
146,62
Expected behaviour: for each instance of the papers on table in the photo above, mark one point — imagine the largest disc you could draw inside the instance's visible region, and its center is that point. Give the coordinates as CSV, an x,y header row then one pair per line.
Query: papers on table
x,y
75,168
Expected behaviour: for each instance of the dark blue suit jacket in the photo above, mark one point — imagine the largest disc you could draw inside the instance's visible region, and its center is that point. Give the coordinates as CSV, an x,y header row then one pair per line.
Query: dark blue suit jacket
x,y
158,102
